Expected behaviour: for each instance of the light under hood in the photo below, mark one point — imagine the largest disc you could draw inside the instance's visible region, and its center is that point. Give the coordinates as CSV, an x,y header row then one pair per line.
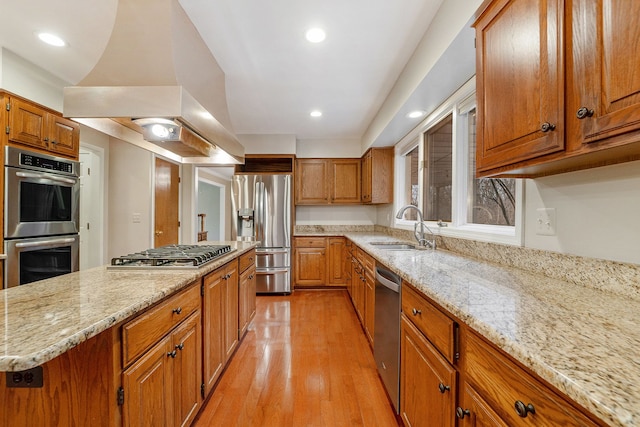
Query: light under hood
x,y
156,65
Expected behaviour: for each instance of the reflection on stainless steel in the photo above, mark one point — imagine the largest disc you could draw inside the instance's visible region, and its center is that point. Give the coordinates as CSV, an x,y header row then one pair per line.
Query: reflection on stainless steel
x,y
386,340
261,212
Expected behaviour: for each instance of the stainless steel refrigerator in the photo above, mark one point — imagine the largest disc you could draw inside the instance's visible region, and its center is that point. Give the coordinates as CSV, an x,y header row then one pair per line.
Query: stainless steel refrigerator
x,y
261,211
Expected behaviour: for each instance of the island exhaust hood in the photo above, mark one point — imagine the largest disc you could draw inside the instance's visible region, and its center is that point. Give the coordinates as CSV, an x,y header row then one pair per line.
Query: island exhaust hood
x,y
156,66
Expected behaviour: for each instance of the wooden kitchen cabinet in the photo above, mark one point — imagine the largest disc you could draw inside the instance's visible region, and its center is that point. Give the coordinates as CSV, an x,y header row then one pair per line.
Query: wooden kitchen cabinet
x,y
336,271
220,321
499,388
368,294
247,291
475,412
327,181
594,119
427,381
377,175
310,261
40,129
428,366
519,82
161,385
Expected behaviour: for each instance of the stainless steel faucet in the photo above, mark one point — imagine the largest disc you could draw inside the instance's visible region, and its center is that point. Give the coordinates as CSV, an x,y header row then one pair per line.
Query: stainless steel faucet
x,y
419,234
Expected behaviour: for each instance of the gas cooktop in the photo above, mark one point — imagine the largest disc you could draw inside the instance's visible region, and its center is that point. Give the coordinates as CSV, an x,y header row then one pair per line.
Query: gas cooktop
x,y
172,256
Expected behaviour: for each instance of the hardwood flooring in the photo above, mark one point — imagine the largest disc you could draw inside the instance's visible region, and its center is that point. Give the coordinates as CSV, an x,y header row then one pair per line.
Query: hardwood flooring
x,y
305,361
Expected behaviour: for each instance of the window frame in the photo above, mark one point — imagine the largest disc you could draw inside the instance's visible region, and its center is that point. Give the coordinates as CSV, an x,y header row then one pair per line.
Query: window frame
x,y
458,105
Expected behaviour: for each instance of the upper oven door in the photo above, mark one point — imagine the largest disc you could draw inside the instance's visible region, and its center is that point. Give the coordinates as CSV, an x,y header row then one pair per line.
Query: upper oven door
x,y
39,203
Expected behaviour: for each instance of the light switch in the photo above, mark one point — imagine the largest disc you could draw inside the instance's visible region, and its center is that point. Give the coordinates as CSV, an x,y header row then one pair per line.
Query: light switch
x,y
546,222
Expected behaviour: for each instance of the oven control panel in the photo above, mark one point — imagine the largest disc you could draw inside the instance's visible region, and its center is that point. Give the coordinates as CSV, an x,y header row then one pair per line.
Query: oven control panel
x,y
45,163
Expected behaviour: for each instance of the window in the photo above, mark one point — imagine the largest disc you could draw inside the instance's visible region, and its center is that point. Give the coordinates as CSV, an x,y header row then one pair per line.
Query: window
x,y
438,163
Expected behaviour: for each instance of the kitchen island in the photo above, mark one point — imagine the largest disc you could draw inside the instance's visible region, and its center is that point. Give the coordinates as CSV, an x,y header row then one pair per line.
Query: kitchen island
x,y
70,325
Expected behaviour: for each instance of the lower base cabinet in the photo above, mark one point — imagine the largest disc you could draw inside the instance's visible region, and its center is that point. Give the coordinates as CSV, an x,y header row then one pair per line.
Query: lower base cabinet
x,y
427,381
163,386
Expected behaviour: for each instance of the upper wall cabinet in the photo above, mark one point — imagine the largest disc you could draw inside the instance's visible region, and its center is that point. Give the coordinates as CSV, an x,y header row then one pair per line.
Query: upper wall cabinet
x,y
327,181
530,123
32,126
377,176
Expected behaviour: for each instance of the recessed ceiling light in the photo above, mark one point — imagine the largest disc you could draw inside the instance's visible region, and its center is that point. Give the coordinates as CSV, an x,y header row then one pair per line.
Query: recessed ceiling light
x,y
315,35
51,39
315,113
416,114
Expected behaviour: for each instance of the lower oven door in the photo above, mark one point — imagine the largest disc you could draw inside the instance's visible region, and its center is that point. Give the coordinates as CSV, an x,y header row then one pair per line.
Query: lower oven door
x,y
273,280
38,258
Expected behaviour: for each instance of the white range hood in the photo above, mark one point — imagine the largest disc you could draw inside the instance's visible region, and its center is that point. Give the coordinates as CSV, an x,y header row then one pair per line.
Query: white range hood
x,y
156,65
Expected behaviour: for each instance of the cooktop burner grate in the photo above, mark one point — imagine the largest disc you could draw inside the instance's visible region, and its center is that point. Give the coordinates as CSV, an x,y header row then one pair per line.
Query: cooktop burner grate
x,y
177,256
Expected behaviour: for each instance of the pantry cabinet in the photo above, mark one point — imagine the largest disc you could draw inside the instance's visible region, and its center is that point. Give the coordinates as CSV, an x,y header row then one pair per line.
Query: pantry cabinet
x,y
327,181
562,95
34,127
377,176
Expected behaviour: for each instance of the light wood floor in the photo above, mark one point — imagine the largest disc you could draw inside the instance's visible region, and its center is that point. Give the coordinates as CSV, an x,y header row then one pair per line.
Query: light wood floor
x,y
304,362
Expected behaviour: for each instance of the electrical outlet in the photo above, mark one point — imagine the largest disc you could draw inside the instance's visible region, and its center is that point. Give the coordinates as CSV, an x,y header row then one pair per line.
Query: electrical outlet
x,y
136,218
546,222
31,378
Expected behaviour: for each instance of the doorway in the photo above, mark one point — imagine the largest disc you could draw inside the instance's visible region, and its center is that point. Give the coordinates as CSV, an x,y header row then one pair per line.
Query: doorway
x,y
167,200
91,207
211,204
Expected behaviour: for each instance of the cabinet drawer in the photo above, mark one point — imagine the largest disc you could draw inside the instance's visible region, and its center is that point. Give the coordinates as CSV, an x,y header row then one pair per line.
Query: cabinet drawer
x,y
311,242
505,386
367,262
247,260
435,325
145,330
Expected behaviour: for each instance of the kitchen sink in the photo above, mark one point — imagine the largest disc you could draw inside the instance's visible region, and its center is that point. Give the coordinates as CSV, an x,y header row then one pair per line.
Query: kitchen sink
x,y
393,245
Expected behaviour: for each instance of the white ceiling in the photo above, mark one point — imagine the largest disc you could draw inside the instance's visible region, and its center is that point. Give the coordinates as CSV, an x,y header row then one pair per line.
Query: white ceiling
x,y
274,76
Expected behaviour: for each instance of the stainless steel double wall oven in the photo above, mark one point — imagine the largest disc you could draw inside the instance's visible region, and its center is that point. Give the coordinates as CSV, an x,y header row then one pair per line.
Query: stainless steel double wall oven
x,y
41,216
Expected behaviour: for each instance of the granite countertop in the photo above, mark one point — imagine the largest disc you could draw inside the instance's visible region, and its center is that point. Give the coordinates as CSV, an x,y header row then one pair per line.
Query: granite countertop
x,y
42,320
582,340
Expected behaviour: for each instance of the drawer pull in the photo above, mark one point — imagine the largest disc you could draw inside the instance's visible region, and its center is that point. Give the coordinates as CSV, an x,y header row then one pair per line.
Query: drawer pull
x,y
415,311
177,310
461,413
523,410
546,127
180,346
584,112
172,354
443,388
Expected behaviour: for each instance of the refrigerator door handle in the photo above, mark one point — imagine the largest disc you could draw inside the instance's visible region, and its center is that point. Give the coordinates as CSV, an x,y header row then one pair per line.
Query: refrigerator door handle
x,y
287,210
259,213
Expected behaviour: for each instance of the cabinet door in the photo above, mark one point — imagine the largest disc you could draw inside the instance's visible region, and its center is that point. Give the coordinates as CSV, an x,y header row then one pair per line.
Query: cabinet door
x,y
310,266
381,175
475,412
312,181
520,83
247,299
369,306
231,310
213,333
427,381
366,177
187,368
148,385
64,136
27,124
345,186
336,247
602,72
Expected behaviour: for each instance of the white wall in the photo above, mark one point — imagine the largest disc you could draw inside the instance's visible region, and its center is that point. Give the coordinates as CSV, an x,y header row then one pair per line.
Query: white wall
x,y
268,144
23,78
130,191
328,148
597,212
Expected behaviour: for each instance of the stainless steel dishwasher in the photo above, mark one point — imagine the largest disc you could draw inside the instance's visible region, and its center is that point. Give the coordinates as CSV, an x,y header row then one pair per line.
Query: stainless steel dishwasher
x,y
386,340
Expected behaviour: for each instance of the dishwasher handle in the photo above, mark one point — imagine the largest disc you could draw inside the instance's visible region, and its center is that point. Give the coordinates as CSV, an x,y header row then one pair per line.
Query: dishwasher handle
x,y
388,279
